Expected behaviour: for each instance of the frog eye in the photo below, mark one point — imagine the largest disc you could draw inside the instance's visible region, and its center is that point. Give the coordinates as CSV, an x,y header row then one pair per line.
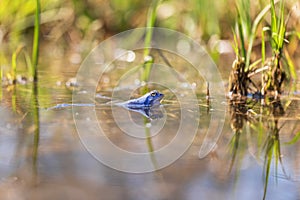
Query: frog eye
x,y
153,94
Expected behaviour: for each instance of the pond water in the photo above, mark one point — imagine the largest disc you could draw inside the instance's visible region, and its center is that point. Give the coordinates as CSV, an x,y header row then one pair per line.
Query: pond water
x,y
43,155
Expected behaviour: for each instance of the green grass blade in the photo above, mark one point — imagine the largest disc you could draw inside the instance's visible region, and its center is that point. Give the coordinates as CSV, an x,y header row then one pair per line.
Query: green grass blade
x,y
273,25
14,58
151,18
256,22
241,34
36,38
281,32
268,162
276,157
263,48
150,23
14,65
273,18
235,45
28,63
290,64
294,140
246,5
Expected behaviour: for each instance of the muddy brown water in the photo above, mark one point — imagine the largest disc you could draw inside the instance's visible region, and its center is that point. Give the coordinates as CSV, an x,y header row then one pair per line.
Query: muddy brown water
x,y
58,166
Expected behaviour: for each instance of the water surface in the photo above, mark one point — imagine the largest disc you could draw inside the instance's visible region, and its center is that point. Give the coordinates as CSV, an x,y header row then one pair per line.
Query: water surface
x,y
58,166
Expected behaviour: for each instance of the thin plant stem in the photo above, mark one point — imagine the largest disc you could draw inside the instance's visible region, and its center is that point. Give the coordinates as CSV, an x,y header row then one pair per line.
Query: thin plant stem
x,y
36,38
1,78
14,99
149,144
36,138
263,48
151,18
35,104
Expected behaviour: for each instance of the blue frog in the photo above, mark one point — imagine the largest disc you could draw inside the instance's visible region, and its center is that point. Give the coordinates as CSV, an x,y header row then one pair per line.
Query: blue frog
x,y
150,99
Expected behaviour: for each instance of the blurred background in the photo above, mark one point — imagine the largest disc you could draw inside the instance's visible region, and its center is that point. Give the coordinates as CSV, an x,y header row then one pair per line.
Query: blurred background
x,y
70,29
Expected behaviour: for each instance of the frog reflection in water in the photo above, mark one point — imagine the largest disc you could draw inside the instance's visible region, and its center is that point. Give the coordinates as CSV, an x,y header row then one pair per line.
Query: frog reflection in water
x,y
147,105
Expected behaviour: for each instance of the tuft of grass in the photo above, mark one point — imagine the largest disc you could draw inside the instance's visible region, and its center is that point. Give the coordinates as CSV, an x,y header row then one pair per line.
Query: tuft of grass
x,y
275,75
276,69
242,69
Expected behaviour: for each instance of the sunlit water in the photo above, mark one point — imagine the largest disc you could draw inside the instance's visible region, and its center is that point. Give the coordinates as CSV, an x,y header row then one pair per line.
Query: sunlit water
x,y
58,166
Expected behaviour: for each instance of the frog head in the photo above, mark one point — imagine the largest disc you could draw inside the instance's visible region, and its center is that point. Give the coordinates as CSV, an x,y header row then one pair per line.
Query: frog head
x,y
153,98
